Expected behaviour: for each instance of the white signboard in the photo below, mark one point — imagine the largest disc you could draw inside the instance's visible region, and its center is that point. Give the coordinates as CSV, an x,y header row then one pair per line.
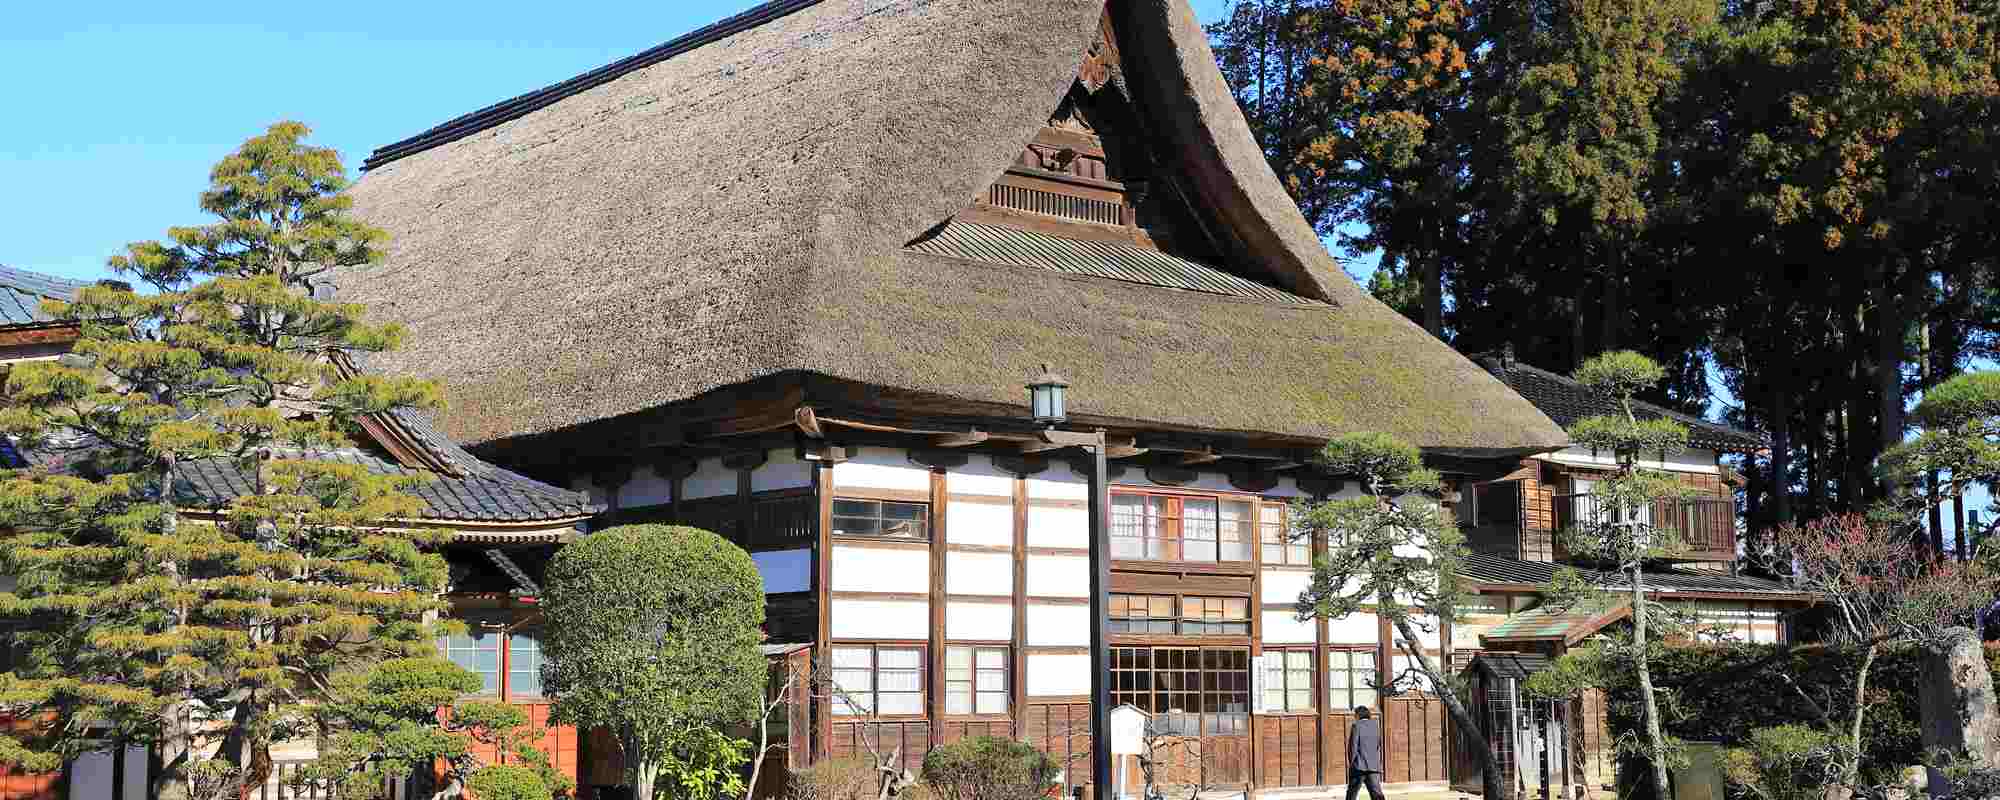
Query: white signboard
x,y
1128,731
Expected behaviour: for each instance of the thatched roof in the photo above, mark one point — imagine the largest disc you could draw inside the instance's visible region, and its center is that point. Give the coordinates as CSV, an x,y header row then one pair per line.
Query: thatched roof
x,y
741,205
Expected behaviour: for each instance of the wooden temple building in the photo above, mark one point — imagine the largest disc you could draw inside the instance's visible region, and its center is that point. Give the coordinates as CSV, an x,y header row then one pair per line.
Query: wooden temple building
x,y
785,278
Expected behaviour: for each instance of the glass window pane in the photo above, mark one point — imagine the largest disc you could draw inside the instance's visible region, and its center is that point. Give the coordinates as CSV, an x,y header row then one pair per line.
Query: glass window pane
x,y
900,658
958,700
901,703
856,526
958,658
852,657
1299,699
992,702
992,658
1274,699
1298,659
904,510
1364,697
855,508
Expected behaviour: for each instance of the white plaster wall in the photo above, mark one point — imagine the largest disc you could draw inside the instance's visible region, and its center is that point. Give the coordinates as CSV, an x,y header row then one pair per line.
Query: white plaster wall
x,y
646,488
1689,460
880,619
1059,482
879,569
979,622
979,573
1358,628
1059,527
1058,576
968,522
1283,627
710,479
1058,625
785,570
784,470
881,468
1284,585
979,476
1058,674
1427,632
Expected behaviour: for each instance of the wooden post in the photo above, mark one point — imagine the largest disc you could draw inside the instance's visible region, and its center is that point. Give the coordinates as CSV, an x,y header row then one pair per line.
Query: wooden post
x,y
1019,682
1100,634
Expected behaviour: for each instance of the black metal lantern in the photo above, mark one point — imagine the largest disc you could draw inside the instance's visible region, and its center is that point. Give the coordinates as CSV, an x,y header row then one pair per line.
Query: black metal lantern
x,y
1046,396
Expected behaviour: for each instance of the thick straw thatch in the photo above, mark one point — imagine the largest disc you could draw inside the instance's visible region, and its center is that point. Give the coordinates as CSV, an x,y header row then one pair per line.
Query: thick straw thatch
x,y
742,209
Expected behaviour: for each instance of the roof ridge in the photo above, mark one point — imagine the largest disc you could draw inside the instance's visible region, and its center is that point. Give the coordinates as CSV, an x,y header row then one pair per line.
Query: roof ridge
x,y
523,104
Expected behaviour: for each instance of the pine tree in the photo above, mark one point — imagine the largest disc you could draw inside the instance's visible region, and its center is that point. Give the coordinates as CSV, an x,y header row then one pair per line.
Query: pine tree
x,y
1396,554
150,623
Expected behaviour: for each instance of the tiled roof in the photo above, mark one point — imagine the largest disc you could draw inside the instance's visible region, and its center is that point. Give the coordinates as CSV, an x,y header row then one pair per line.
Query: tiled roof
x,y
1120,262
1484,568
1512,665
1566,401
22,292
1546,623
481,493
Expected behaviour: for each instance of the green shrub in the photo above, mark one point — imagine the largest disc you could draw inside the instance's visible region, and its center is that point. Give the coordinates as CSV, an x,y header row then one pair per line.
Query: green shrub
x,y
506,782
1788,762
988,768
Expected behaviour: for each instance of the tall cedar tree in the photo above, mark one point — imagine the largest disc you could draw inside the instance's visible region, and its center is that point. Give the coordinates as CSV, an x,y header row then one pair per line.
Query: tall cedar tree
x,y
1365,109
652,635
145,624
1395,552
1798,198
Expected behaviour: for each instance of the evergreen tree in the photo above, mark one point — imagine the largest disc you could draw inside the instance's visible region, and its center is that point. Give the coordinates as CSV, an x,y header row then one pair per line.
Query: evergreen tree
x,y
1624,531
148,623
1395,553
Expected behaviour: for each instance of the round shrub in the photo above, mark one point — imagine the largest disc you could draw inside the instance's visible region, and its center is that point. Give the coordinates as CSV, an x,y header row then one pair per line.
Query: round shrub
x,y
988,768
507,782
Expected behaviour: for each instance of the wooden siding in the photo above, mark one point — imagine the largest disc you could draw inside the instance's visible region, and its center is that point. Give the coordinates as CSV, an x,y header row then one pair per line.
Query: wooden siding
x,y
1413,740
1288,750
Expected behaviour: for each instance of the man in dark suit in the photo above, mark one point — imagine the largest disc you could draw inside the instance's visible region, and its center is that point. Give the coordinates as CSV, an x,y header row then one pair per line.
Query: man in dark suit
x,y
1364,754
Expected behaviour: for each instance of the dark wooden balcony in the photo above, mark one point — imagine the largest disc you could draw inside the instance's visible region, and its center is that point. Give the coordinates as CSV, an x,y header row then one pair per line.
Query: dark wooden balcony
x,y
1705,526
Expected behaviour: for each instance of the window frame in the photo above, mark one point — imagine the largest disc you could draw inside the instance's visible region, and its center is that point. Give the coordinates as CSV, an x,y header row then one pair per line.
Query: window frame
x,y
1186,617
1274,532
1284,676
1171,620
1373,678
1005,669
503,625
928,518
1167,528
874,691
1191,678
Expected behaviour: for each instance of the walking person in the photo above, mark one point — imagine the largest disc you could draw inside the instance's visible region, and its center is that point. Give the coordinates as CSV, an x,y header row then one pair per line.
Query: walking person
x,y
1364,754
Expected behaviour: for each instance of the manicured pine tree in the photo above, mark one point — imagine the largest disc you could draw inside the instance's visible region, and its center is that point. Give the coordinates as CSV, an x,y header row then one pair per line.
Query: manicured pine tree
x,y
144,622
1393,554
1622,531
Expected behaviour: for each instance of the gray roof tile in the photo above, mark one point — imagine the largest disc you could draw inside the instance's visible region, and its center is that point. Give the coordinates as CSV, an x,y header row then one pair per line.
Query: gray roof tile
x,y
1566,401
22,292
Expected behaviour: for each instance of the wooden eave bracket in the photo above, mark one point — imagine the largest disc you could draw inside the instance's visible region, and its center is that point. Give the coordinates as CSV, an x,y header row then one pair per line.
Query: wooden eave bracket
x,y
808,422
966,439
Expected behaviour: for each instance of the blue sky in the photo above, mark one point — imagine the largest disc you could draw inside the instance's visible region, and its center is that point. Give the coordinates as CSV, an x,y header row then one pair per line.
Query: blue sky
x,y
118,109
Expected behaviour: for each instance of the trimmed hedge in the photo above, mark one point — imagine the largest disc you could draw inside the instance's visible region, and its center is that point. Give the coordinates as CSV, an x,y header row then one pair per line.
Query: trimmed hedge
x,y
1721,693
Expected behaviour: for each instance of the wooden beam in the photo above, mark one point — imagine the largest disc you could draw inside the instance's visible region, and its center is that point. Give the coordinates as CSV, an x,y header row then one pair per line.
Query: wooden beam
x,y
809,422
967,439
1204,456
1030,448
